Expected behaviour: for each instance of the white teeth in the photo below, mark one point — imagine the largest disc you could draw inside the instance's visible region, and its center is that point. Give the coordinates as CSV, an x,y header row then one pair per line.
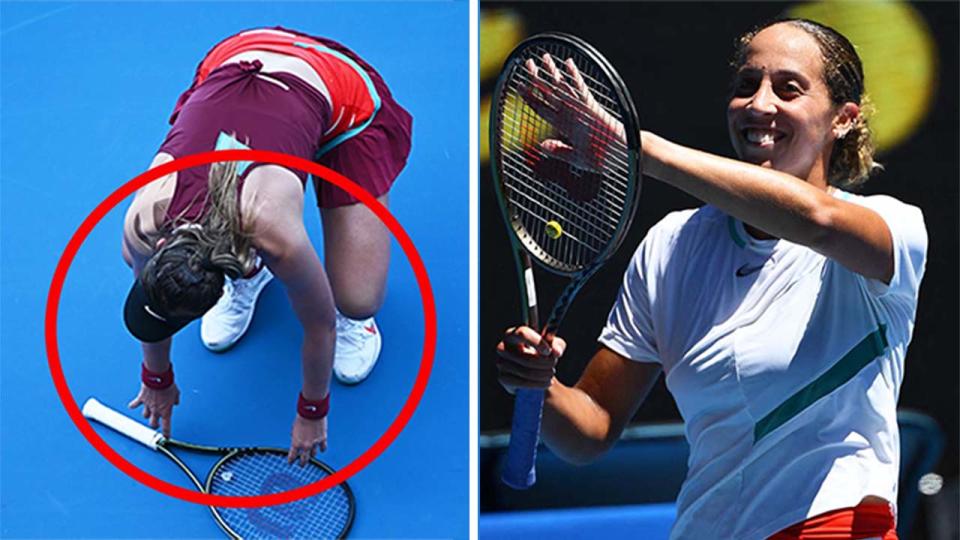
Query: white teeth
x,y
761,136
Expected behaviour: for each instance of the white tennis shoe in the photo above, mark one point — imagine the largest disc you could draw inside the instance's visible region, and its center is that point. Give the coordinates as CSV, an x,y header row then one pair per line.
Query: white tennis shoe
x,y
358,347
228,320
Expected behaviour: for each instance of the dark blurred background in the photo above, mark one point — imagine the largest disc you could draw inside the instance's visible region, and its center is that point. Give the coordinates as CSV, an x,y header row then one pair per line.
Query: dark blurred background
x,y
675,57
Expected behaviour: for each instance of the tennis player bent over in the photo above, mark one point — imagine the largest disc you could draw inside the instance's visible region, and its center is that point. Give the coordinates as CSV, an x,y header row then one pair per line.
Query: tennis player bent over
x,y
214,236
780,311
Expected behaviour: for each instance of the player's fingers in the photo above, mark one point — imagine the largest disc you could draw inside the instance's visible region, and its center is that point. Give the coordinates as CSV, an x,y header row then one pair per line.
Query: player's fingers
x,y
535,95
165,424
534,81
559,345
551,68
577,77
146,410
155,420
558,149
571,94
520,330
137,401
552,346
304,457
522,335
524,330
515,351
291,455
535,375
323,445
526,360
531,66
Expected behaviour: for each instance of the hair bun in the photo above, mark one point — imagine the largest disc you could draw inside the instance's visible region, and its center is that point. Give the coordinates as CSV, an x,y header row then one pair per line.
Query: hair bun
x,y
227,263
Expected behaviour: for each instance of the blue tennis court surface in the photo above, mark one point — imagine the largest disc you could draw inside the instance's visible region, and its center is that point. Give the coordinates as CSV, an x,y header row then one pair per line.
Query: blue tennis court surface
x,y
86,92
638,521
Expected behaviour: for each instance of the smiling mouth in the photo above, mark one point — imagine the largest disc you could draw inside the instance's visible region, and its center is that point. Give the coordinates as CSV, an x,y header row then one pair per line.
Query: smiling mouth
x,y
762,138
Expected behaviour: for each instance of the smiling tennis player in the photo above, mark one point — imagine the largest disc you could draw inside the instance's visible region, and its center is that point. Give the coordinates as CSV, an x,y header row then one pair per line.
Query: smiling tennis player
x,y
207,240
780,312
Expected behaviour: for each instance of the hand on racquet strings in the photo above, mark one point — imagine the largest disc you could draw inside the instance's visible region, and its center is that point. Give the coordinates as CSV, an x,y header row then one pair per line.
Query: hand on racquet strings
x,y
157,405
306,436
527,359
567,104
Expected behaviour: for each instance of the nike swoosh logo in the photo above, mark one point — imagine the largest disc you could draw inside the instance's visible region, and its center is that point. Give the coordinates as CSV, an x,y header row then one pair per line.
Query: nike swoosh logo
x,y
152,313
310,408
156,379
372,329
746,270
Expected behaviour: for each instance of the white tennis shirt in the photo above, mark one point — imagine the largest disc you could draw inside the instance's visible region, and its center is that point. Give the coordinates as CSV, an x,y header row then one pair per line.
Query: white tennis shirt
x,y
785,366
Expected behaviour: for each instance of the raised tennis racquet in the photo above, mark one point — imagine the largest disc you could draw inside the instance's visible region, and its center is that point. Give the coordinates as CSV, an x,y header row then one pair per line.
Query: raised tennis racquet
x,y
251,471
565,144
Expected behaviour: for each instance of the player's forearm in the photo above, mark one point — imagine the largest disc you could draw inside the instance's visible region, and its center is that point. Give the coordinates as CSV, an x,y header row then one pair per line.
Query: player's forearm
x,y
317,365
312,302
315,309
574,426
156,356
774,202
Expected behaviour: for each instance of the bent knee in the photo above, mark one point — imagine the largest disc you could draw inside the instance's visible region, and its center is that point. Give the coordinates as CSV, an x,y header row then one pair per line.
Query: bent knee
x,y
359,305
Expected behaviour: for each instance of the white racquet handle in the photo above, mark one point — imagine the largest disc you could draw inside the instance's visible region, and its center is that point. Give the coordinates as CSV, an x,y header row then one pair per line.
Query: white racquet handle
x,y
95,410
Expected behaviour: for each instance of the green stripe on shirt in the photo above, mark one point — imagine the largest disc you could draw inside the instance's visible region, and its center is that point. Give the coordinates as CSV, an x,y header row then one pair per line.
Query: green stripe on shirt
x,y
856,359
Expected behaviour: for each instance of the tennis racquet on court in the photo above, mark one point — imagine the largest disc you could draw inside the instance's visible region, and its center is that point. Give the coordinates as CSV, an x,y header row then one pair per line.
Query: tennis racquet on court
x,y
251,471
565,143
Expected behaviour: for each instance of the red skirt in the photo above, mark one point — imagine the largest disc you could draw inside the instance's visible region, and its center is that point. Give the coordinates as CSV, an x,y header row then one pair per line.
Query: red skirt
x,y
866,520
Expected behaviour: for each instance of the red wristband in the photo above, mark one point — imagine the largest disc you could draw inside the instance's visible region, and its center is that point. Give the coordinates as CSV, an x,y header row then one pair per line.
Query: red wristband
x,y
157,381
313,410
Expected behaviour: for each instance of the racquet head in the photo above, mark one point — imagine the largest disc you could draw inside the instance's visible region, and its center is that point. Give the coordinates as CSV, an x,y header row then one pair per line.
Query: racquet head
x,y
565,144
260,471
566,152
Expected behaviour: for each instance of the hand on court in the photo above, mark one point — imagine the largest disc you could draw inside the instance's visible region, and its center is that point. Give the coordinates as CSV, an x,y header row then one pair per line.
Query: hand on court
x,y
527,359
567,103
157,405
307,436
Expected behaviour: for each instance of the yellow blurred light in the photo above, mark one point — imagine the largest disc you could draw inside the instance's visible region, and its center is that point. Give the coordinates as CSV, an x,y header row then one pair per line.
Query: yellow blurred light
x,y
484,129
533,130
500,31
899,60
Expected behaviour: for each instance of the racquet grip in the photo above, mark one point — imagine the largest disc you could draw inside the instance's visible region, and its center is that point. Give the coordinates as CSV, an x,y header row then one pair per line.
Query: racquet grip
x,y
520,471
146,436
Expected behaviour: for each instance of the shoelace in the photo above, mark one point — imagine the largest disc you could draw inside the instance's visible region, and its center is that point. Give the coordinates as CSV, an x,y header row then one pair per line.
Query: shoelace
x,y
237,293
351,332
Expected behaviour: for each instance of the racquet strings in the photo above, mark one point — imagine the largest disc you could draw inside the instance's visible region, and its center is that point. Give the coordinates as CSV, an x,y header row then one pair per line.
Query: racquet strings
x,y
325,515
584,197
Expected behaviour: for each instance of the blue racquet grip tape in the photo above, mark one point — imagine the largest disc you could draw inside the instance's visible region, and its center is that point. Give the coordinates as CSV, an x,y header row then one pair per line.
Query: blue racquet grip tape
x,y
520,471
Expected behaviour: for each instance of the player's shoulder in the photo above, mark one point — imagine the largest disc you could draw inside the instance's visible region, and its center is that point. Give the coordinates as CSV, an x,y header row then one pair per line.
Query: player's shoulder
x,y
901,217
687,223
146,217
882,203
678,232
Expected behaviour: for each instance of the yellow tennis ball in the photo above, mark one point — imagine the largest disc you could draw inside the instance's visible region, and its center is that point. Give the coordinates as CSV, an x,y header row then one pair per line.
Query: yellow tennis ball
x,y
554,230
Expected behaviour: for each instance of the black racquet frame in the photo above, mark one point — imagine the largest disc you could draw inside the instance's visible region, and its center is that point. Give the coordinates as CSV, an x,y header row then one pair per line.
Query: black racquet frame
x,y
519,471
155,440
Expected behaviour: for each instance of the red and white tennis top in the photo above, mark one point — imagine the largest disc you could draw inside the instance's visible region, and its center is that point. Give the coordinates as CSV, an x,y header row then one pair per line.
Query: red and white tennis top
x,y
353,98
